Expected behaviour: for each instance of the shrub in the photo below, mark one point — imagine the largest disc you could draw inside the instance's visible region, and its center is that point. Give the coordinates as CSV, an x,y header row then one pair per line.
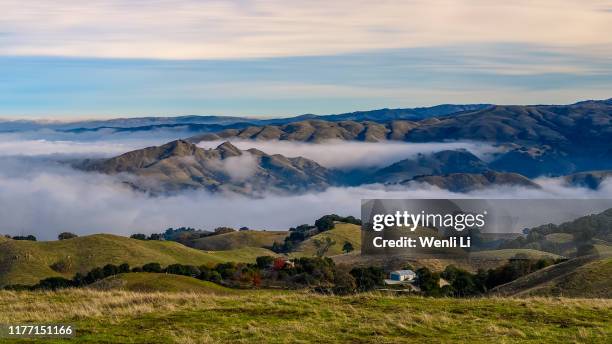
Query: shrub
x,y
54,283
347,247
66,236
138,236
368,278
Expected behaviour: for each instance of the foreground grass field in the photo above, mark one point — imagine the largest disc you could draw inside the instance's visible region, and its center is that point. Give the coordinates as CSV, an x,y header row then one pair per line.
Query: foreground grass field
x,y
288,317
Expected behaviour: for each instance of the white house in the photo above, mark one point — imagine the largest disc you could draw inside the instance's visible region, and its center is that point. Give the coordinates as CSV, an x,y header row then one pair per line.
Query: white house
x,y
400,276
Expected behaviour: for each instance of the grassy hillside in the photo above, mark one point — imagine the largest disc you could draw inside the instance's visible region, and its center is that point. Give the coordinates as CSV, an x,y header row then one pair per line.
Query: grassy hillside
x,y
579,277
26,262
296,317
340,233
240,239
148,282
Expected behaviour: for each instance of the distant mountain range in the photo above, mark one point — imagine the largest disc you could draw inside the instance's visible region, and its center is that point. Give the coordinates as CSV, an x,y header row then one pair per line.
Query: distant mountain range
x,y
541,139
214,123
573,141
180,165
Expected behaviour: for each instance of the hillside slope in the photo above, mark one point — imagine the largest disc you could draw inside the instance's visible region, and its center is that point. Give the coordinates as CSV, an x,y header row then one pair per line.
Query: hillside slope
x,y
240,239
341,233
159,282
27,262
579,277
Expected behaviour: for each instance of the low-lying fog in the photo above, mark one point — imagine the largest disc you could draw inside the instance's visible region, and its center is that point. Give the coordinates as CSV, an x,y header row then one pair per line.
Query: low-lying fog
x,y
43,197
348,155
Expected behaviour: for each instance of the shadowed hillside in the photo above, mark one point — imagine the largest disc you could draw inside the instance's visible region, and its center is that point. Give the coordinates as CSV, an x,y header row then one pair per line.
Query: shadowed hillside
x,y
579,277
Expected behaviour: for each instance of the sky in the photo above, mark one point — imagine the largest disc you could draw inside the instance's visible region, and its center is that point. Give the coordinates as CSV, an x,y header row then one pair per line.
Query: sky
x,y
83,59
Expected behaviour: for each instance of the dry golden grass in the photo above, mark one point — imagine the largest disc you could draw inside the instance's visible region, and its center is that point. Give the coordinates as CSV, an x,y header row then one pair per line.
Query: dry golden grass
x,y
286,317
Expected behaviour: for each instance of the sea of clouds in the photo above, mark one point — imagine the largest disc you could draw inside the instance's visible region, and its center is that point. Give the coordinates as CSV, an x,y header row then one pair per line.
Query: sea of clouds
x,y
41,195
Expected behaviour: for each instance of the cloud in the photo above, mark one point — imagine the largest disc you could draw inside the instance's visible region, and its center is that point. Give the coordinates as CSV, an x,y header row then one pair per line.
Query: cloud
x,y
75,146
41,196
240,168
191,29
348,155
44,199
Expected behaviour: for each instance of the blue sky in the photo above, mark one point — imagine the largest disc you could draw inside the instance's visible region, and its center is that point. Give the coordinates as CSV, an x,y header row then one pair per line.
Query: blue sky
x,y
268,58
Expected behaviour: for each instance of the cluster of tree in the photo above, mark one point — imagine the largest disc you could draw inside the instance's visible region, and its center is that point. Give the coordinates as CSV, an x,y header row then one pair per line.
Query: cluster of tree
x,y
61,236
297,273
462,283
22,237
66,236
184,235
305,231
583,230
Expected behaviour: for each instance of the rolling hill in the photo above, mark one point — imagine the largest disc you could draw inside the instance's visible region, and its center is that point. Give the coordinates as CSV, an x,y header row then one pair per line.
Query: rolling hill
x,y
239,240
341,233
580,277
27,262
159,282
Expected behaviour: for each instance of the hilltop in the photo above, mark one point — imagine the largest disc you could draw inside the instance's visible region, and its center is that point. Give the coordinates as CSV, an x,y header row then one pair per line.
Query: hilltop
x,y
180,165
27,262
239,239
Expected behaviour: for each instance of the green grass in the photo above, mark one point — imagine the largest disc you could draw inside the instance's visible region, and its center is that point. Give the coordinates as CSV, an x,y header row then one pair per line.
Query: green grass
x,y
340,233
27,262
148,282
240,239
298,317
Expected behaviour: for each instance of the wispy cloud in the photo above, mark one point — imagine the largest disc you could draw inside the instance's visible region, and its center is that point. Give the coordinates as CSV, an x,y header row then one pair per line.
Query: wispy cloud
x,y
191,29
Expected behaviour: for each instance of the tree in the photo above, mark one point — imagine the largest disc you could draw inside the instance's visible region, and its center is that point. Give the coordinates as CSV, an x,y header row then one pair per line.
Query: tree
x,y
138,236
347,247
53,283
264,262
344,282
124,268
156,236
152,267
428,281
323,245
368,278
66,236
110,270
26,238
